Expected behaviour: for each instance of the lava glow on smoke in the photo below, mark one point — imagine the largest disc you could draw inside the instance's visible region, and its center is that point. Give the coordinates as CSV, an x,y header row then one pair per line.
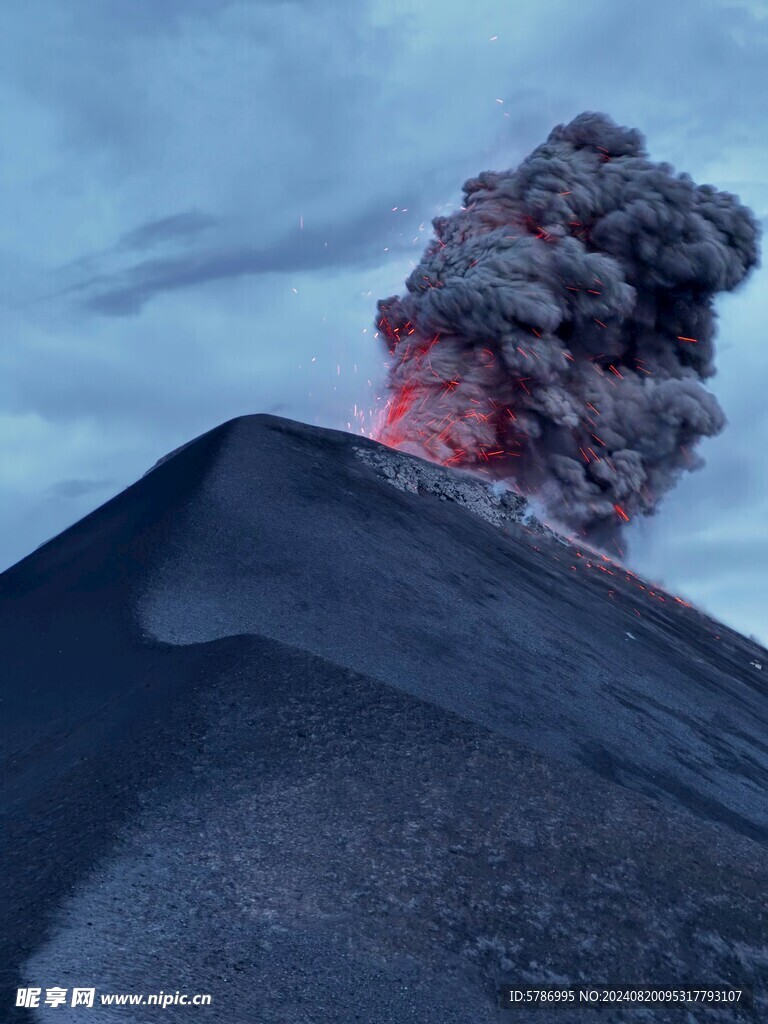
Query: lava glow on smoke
x,y
442,426
439,432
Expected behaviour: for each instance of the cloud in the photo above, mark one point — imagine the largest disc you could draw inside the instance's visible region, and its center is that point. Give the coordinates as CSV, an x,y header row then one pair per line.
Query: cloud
x,y
77,488
175,227
567,307
125,291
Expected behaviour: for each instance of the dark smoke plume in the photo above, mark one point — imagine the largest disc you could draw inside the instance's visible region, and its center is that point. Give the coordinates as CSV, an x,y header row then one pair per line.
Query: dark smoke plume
x,y
558,328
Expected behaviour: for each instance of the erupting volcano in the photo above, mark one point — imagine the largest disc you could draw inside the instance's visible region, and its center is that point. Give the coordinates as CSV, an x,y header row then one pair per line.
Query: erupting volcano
x,y
559,327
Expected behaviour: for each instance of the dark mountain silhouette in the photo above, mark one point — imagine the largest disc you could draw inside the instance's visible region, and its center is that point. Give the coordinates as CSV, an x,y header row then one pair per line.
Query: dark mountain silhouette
x,y
333,750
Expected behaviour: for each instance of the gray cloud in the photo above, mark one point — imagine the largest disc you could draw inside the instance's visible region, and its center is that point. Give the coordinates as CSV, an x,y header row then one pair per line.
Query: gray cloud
x,y
557,330
338,244
77,488
175,227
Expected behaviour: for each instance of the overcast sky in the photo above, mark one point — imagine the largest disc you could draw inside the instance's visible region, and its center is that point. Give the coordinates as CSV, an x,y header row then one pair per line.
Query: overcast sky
x,y
197,219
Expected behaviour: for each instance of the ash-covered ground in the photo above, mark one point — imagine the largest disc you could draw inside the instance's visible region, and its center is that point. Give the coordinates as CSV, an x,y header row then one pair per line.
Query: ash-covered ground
x,y
335,750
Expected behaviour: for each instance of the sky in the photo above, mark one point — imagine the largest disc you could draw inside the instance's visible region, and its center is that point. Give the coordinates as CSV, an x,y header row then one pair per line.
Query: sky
x,y
202,201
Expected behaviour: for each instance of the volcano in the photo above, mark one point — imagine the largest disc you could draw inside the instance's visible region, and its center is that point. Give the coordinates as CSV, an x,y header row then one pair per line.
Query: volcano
x,y
335,735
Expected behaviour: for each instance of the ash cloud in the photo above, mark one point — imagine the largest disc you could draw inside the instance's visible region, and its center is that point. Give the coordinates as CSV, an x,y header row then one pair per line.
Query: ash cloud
x,y
559,328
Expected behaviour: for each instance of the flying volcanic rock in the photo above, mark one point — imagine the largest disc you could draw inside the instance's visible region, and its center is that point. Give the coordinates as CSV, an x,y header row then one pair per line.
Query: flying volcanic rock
x,y
558,328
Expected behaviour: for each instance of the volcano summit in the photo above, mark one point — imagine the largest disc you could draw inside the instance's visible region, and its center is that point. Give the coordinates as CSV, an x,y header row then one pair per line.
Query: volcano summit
x,y
336,735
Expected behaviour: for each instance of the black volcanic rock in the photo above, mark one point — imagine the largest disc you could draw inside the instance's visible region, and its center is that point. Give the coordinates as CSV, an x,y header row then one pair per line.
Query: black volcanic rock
x,y
333,751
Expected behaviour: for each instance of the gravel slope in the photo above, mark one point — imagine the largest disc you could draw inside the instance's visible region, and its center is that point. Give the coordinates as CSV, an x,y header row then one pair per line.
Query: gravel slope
x,y
336,751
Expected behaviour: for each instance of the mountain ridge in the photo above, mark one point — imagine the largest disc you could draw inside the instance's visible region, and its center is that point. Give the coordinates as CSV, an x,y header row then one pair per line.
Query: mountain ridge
x,y
263,671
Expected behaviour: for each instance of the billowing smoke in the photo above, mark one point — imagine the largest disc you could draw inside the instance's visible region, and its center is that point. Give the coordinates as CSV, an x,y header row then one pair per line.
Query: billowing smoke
x,y
558,328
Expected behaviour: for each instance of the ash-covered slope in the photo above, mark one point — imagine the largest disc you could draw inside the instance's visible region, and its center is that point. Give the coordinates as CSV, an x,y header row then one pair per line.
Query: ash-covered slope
x,y
332,750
